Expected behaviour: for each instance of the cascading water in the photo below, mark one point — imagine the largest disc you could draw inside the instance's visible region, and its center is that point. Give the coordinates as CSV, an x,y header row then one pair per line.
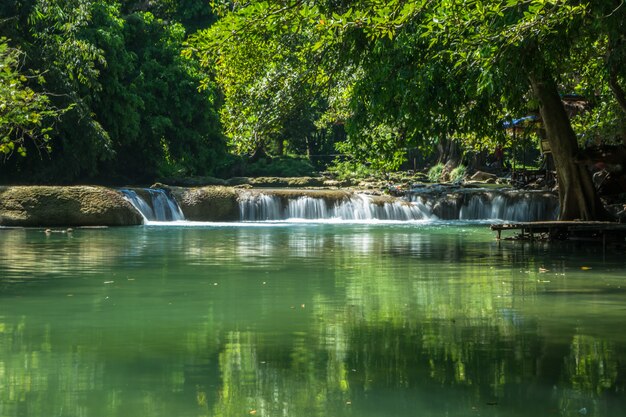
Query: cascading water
x,y
364,207
259,207
157,205
306,207
160,207
263,206
492,205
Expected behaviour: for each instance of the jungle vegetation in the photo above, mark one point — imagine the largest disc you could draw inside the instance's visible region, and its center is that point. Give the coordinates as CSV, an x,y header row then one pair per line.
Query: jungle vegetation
x,y
136,90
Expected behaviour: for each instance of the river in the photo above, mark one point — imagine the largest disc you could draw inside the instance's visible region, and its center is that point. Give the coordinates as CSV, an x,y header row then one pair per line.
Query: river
x,y
394,319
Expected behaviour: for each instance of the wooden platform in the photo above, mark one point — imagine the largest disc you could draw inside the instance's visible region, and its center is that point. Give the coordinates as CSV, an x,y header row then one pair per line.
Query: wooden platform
x,y
564,230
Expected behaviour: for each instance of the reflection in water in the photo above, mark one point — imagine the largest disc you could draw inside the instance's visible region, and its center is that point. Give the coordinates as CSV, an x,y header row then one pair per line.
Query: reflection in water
x,y
308,320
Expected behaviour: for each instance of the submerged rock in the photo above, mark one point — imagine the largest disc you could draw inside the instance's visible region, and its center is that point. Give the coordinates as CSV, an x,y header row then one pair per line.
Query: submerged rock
x,y
43,206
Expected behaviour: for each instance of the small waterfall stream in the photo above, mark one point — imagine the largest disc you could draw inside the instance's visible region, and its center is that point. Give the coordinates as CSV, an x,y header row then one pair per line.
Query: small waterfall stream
x,y
506,205
264,207
154,205
158,205
466,205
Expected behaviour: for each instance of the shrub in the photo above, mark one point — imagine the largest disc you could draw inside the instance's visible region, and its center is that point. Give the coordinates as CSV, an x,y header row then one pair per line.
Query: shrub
x,y
350,170
434,174
458,173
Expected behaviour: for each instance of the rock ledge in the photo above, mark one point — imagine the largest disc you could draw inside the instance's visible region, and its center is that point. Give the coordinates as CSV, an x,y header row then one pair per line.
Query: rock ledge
x,y
44,206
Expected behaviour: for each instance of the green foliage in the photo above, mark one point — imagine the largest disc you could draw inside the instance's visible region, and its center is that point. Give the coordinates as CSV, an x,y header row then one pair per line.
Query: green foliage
x,y
193,14
174,124
351,169
601,124
24,113
458,174
416,71
271,74
435,173
283,166
370,79
135,107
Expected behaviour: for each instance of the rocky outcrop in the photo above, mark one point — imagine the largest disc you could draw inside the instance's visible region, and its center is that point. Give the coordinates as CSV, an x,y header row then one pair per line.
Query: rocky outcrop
x,y
207,204
44,206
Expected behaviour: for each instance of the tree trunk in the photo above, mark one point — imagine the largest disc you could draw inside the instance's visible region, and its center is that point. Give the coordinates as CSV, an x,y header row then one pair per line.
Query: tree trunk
x,y
620,96
614,64
259,153
577,195
279,145
449,153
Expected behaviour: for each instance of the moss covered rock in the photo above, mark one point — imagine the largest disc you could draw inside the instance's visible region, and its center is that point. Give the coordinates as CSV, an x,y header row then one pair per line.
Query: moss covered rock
x,y
291,182
208,204
197,181
65,206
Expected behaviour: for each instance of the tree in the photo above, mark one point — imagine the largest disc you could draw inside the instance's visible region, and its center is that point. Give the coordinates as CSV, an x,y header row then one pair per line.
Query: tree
x,y
272,73
499,57
25,115
445,69
517,46
135,111
158,121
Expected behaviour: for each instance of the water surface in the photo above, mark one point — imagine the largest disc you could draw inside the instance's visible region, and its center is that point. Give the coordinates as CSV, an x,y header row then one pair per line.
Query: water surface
x,y
421,319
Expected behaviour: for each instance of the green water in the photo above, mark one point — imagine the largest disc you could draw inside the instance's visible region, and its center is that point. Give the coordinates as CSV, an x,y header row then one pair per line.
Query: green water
x,y
308,320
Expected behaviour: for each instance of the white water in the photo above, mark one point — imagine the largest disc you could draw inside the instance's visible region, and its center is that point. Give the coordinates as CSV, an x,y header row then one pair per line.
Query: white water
x,y
272,209
499,207
160,208
359,207
493,205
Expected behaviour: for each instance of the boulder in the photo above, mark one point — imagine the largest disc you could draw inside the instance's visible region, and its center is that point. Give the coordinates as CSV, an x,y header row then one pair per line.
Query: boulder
x,y
44,206
484,176
208,204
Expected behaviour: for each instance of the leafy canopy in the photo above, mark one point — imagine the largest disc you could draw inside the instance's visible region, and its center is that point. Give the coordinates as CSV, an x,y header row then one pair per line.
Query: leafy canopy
x,y
25,115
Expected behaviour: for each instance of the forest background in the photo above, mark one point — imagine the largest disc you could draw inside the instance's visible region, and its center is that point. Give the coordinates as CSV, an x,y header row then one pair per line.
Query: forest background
x,y
126,92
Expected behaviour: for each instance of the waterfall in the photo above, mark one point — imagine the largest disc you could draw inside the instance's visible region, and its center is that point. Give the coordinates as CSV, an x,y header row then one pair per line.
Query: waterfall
x,y
157,205
364,207
306,207
492,205
154,205
264,206
257,207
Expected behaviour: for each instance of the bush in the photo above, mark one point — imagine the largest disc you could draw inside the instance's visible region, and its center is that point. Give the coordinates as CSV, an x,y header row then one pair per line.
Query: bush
x,y
434,174
458,173
350,170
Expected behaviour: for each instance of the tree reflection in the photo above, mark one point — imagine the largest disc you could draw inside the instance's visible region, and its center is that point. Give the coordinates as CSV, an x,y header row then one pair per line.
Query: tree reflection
x,y
328,322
